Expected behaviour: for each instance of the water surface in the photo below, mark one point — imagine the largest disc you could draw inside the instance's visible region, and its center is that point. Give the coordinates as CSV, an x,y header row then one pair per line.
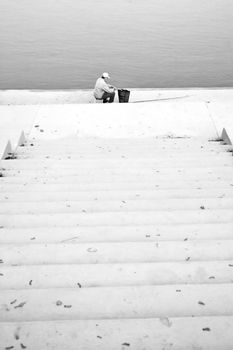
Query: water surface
x,y
59,44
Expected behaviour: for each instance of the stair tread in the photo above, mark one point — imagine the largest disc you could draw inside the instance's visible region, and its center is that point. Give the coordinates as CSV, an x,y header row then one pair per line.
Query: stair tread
x,y
132,233
147,217
110,275
115,252
122,334
22,195
117,302
113,205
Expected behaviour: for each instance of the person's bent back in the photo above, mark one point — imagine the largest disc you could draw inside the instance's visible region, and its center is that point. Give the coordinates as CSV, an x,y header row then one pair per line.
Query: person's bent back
x,y
104,91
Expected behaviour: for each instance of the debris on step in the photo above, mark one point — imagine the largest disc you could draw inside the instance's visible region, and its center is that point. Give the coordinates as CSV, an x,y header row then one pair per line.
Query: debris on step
x,y
69,239
16,334
92,250
5,307
217,139
11,156
20,305
206,329
165,321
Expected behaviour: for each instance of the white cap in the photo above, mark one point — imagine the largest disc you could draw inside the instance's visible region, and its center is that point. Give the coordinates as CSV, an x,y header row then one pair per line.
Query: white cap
x,y
105,75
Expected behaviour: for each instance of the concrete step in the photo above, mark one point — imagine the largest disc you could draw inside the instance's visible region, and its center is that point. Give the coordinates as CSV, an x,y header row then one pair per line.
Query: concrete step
x,y
96,143
154,333
92,163
117,218
100,178
113,186
116,302
118,141
134,154
61,195
95,206
117,252
166,138
132,233
171,172
101,144
109,275
115,155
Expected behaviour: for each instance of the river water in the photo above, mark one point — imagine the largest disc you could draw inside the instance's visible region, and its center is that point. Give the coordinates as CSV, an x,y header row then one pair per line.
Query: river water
x,y
67,44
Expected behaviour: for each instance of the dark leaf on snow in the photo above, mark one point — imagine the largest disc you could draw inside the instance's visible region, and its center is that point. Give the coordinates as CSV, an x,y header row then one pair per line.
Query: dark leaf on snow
x,y
206,329
20,305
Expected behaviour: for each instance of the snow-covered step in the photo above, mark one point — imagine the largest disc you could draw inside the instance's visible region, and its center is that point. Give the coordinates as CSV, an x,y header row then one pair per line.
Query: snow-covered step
x,y
78,146
130,233
99,144
117,252
99,178
159,141
190,172
113,205
128,155
140,160
213,333
116,302
113,186
107,218
152,194
147,154
109,275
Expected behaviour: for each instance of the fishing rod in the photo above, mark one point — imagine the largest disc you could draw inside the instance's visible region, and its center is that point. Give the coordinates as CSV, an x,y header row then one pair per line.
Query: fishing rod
x,y
162,99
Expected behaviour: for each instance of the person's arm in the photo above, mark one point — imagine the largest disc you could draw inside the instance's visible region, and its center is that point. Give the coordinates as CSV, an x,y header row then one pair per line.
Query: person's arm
x,y
107,88
113,87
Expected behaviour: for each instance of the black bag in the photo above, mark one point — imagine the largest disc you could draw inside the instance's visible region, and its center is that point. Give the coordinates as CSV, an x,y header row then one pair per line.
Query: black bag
x,y
123,95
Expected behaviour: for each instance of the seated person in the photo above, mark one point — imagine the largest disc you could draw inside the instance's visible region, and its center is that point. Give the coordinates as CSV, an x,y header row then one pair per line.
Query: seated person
x,y
104,91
